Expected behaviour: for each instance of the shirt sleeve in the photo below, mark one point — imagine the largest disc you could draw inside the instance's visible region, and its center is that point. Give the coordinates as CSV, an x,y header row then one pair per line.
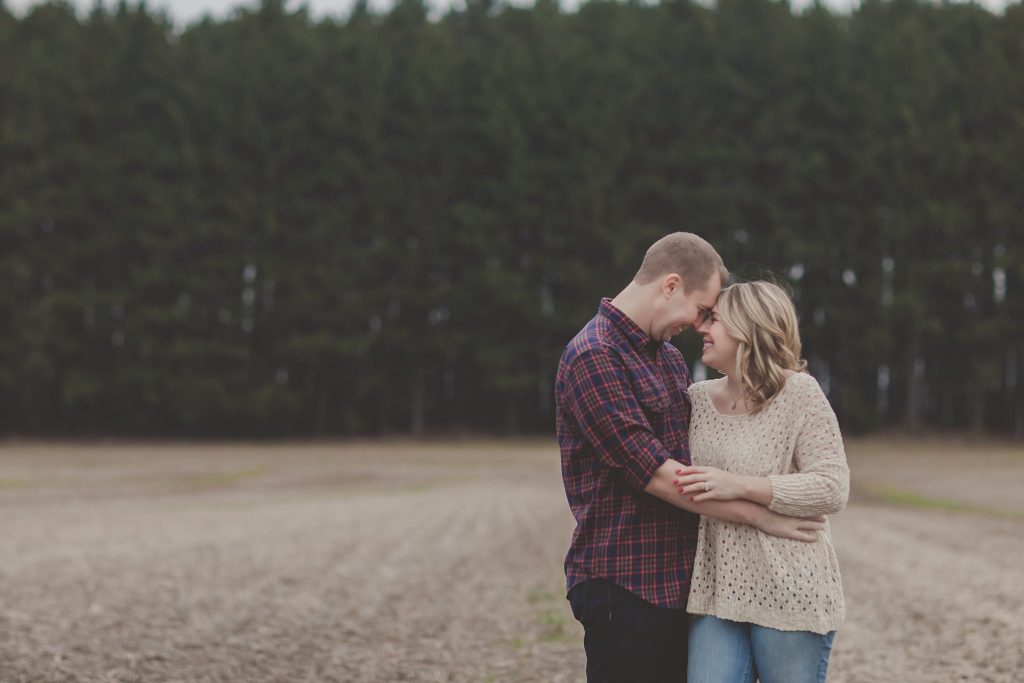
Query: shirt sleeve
x,y
610,417
821,484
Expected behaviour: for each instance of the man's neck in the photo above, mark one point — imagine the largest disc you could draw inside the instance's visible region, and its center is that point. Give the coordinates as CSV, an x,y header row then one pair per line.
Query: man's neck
x,y
633,301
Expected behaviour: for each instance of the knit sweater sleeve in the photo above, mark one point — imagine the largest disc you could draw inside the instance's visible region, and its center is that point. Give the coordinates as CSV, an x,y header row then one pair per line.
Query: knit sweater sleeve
x,y
820,482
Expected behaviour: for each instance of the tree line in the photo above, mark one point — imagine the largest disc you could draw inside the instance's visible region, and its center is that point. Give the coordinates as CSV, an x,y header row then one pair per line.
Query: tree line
x,y
280,225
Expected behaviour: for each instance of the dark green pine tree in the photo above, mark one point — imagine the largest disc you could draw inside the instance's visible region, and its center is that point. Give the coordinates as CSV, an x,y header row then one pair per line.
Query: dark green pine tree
x,y
52,223
410,222
272,225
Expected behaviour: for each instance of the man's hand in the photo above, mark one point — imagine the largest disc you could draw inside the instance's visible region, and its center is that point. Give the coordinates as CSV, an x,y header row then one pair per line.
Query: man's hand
x,y
795,528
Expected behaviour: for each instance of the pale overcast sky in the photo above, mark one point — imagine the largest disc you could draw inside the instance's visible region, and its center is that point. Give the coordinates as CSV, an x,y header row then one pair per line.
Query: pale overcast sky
x,y
187,11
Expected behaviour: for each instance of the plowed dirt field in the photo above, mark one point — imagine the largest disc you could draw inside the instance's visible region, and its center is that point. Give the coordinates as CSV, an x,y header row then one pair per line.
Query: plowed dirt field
x,y
442,562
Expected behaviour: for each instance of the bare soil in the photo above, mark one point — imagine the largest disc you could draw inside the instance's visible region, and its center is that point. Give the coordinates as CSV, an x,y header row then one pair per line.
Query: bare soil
x,y
441,562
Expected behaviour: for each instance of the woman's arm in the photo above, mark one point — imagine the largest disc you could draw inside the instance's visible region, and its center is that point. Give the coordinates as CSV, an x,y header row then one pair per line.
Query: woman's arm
x,y
722,485
820,485
745,512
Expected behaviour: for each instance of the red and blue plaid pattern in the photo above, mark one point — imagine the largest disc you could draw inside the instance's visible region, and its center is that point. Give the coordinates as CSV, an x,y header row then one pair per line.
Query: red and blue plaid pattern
x,y
622,410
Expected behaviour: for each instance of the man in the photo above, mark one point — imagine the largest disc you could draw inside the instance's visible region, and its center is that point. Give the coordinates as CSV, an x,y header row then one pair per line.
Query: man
x,y
622,418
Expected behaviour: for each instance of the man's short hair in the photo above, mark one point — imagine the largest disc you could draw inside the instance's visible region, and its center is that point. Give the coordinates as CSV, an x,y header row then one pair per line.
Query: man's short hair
x,y
685,254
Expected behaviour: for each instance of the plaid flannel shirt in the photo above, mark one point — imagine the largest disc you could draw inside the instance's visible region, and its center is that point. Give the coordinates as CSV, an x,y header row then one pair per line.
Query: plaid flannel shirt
x,y
622,409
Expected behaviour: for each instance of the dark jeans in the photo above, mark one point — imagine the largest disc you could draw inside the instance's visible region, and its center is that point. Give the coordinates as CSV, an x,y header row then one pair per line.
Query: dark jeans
x,y
629,640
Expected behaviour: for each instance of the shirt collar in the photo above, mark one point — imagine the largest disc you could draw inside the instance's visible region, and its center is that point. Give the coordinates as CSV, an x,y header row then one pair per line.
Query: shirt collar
x,y
634,334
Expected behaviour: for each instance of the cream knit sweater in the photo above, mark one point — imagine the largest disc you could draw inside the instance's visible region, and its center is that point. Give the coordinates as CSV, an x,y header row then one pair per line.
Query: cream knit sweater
x,y
741,573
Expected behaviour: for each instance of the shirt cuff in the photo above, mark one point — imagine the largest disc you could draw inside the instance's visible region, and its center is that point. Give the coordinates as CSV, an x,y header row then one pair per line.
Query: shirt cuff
x,y
644,464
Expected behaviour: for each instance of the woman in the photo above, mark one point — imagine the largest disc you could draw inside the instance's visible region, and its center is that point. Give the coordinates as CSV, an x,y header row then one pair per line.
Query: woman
x,y
764,607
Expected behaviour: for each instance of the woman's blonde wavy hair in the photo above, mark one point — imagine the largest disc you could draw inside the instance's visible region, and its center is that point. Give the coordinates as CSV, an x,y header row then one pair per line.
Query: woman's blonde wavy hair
x,y
761,317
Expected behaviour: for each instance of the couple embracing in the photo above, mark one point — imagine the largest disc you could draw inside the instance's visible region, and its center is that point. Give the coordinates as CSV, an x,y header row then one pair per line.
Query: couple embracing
x,y
701,552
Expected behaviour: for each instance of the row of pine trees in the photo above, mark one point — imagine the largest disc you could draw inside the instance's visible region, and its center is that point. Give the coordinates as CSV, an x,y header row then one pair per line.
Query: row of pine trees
x,y
280,225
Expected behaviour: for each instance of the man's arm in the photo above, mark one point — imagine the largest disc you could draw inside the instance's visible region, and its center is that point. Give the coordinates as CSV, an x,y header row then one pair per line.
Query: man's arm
x,y
745,512
598,396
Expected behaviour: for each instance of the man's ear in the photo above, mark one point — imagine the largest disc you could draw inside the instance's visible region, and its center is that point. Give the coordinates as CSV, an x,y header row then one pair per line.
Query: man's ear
x,y
670,283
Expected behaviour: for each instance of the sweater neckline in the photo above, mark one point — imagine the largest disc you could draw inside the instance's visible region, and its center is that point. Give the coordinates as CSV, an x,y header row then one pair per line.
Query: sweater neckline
x,y
714,408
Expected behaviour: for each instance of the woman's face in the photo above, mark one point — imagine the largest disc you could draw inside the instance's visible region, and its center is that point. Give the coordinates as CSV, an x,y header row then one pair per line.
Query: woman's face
x,y
719,347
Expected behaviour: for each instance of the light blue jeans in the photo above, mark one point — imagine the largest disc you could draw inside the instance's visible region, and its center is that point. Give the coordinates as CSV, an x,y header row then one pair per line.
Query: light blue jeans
x,y
724,651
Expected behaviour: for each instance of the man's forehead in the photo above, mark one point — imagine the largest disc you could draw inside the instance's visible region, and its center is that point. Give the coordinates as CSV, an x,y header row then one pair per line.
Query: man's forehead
x,y
707,297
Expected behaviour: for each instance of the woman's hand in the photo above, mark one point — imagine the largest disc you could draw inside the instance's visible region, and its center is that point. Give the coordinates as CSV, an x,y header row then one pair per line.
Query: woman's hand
x,y
711,483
